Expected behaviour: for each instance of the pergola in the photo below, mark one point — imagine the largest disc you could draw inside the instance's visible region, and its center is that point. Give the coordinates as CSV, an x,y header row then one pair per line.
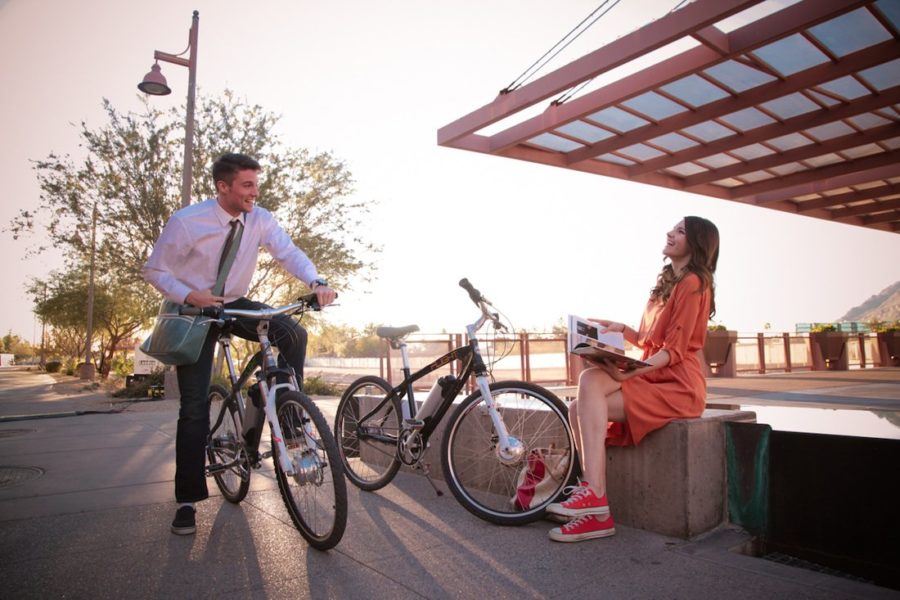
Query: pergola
x,y
791,108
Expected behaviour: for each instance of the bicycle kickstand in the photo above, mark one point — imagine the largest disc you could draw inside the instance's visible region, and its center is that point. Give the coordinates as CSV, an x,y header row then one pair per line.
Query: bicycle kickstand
x,y
426,471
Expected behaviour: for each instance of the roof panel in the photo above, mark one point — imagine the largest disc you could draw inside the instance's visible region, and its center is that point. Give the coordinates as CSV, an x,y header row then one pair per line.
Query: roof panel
x,y
717,161
738,76
708,131
585,131
687,169
619,160
824,160
694,90
791,55
641,152
790,106
790,141
673,142
753,151
554,142
618,119
654,106
883,76
891,11
861,151
868,120
829,130
747,119
847,87
850,32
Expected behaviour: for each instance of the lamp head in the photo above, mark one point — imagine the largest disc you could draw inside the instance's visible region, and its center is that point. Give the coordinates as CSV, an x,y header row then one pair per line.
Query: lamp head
x,y
154,83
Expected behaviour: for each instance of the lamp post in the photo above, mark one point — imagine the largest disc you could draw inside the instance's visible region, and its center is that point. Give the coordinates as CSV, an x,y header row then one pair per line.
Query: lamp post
x,y
155,84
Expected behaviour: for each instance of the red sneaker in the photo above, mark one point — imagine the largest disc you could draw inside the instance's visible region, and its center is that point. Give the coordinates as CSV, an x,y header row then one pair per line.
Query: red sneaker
x,y
583,501
582,528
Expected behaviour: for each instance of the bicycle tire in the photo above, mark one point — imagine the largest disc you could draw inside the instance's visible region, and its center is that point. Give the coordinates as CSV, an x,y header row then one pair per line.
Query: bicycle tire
x,y
225,445
316,495
369,464
473,470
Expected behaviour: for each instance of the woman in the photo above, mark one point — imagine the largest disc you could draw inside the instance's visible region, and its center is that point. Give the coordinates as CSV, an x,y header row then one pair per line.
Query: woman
x,y
636,402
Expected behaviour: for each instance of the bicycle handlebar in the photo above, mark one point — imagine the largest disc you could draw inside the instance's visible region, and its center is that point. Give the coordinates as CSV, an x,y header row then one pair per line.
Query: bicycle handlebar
x,y
474,294
307,302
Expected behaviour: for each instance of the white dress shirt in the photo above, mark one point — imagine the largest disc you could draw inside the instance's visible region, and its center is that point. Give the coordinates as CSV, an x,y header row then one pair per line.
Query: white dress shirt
x,y
186,256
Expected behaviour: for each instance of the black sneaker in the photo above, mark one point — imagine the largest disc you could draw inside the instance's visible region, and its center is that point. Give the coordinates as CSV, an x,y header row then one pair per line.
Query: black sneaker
x,y
184,523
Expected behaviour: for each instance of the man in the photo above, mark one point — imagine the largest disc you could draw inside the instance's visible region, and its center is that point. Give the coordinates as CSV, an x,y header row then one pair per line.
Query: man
x,y
184,266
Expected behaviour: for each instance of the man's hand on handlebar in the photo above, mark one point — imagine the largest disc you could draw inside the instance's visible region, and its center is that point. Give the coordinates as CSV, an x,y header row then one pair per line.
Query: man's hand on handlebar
x,y
325,295
203,298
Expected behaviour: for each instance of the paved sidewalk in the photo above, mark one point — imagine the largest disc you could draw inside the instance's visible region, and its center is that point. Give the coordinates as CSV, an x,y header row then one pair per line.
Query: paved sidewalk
x,y
93,522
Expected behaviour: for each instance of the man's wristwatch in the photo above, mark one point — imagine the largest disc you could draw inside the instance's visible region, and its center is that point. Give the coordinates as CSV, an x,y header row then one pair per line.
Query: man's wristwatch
x,y
317,282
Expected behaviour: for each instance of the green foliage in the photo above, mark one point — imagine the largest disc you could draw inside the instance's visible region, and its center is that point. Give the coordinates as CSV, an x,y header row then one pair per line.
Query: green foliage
x,y
885,326
141,388
316,386
127,185
53,366
718,327
823,327
326,339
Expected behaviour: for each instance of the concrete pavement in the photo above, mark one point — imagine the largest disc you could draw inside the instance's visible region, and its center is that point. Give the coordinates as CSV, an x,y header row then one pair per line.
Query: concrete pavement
x,y
87,501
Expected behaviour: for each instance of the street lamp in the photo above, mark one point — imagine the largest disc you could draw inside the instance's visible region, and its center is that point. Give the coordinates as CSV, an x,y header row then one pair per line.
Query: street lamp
x,y
154,83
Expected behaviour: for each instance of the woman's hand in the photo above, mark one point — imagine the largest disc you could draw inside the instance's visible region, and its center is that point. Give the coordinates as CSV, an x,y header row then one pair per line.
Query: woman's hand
x,y
614,372
610,325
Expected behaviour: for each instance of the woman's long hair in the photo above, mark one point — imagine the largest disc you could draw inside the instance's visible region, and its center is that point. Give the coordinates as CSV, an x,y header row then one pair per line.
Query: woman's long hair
x,y
703,242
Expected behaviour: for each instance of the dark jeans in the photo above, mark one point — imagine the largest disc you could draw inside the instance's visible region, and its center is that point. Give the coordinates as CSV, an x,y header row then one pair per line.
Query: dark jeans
x,y
193,382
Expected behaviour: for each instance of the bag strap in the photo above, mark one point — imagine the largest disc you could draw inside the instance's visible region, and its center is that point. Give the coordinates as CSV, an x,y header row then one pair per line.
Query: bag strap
x,y
229,251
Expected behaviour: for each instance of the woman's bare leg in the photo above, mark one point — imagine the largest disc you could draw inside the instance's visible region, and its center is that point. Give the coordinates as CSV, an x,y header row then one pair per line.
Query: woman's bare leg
x,y
599,401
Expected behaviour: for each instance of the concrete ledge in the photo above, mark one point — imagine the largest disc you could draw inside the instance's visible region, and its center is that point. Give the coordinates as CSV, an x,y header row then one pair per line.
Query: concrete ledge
x,y
674,482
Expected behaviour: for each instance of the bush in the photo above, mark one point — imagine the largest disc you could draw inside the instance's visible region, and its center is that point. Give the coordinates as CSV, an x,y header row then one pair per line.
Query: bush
x,y
53,366
823,327
141,388
316,386
717,328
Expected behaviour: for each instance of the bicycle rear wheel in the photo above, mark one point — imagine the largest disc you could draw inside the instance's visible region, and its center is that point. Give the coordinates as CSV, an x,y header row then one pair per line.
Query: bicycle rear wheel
x,y
316,494
224,446
501,489
368,446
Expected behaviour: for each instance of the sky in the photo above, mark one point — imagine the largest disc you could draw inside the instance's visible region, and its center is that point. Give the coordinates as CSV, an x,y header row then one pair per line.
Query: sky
x,y
372,82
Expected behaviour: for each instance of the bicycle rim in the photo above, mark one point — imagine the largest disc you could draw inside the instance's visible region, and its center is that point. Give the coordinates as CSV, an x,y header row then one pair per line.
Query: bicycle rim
x,y
490,487
316,495
368,447
224,446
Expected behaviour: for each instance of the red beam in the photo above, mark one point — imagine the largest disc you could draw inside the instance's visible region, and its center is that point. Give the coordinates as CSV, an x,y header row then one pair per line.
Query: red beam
x,y
866,209
698,14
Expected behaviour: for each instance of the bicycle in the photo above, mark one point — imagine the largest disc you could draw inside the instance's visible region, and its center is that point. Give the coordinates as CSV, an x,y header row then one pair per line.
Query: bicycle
x,y
489,442
308,467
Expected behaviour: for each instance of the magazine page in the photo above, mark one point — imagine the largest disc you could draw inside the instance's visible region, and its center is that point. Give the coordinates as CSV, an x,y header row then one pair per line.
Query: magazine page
x,y
581,330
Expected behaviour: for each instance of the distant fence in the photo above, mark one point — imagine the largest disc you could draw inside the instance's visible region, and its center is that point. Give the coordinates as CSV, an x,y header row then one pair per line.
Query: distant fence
x,y
543,359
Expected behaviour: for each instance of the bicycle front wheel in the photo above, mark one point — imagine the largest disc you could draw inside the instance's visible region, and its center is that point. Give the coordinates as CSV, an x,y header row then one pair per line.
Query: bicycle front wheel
x,y
509,488
316,494
224,447
368,444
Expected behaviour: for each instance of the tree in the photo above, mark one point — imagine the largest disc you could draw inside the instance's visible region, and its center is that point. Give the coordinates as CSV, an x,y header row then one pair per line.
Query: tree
x,y
130,169
15,345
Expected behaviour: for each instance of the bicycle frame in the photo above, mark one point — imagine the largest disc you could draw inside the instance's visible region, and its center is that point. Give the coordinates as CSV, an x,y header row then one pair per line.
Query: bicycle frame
x,y
472,363
268,366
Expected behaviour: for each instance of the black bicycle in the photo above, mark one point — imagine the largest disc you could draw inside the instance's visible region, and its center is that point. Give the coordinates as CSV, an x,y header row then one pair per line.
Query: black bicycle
x,y
307,464
507,449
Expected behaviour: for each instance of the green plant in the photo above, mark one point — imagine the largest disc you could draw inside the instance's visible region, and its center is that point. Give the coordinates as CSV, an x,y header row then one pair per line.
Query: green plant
x,y
717,328
141,389
823,327
885,326
316,386
53,366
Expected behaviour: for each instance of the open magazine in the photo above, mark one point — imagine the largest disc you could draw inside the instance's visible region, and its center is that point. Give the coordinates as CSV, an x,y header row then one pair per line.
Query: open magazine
x,y
585,339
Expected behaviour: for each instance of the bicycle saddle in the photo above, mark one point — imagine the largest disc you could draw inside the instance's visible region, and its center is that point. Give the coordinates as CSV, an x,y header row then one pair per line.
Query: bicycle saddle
x,y
389,333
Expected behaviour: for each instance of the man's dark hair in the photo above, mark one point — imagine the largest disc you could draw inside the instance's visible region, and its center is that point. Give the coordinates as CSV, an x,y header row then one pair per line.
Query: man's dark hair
x,y
228,165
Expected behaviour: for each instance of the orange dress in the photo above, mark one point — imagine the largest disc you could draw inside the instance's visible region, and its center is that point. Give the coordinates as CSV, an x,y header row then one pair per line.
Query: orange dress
x,y
677,390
